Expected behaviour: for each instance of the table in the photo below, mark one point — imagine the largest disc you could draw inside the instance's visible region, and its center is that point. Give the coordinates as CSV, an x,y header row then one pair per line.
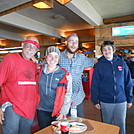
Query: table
x,y
99,128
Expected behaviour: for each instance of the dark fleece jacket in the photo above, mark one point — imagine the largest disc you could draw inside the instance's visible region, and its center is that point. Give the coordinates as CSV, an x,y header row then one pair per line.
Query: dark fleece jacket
x,y
111,82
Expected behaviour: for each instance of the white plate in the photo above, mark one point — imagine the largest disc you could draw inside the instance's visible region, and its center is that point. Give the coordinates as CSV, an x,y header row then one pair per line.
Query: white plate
x,y
81,126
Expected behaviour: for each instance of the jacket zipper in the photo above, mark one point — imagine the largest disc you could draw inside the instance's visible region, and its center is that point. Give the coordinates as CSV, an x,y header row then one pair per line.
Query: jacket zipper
x,y
114,81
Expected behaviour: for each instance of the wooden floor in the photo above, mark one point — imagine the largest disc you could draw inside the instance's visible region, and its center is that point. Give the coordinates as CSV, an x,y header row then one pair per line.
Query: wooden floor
x,y
92,113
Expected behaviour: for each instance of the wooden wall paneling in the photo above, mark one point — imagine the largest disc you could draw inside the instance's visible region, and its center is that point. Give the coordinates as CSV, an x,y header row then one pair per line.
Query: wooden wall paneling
x,y
98,52
10,43
47,40
88,45
42,51
104,33
84,35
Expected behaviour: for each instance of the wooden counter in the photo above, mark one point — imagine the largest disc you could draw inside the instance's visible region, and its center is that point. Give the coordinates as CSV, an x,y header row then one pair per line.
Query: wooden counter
x,y
99,128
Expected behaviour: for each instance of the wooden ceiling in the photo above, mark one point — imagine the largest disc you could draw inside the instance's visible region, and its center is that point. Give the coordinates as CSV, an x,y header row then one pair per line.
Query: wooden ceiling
x,y
122,19
20,20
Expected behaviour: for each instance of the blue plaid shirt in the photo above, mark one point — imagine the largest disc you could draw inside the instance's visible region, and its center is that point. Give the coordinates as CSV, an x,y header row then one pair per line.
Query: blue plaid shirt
x,y
76,67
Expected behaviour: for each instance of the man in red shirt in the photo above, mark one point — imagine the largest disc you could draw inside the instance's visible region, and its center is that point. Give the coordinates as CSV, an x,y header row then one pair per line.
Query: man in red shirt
x,y
19,94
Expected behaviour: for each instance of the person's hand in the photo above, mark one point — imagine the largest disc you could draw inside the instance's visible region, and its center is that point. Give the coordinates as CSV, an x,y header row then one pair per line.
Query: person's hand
x,y
98,106
60,117
34,59
129,105
95,60
1,116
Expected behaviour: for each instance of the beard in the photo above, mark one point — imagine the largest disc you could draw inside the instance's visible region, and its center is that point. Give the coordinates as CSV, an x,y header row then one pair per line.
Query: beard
x,y
70,51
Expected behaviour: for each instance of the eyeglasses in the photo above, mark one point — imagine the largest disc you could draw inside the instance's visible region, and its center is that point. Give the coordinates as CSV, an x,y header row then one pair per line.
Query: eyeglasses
x,y
73,42
31,46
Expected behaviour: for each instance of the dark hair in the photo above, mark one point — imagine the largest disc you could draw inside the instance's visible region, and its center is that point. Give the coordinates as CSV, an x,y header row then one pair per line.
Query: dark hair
x,y
108,43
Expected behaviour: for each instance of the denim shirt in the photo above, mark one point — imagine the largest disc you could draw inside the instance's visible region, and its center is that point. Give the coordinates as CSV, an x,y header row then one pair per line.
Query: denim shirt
x,y
75,67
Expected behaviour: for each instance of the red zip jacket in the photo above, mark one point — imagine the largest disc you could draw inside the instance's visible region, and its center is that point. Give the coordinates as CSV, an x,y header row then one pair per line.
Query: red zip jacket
x,y
60,93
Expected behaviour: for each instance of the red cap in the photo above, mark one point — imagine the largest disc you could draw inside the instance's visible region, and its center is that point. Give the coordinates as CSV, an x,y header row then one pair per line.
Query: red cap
x,y
33,42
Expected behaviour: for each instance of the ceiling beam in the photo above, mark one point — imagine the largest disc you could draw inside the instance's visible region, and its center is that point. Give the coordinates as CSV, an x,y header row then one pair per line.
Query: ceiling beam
x,y
21,21
21,5
122,19
11,35
16,8
84,9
